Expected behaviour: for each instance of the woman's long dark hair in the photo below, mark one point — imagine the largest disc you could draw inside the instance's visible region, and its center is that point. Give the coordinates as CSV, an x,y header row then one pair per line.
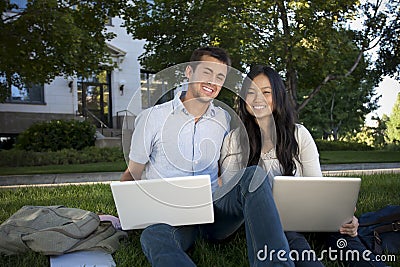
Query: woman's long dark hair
x,y
284,116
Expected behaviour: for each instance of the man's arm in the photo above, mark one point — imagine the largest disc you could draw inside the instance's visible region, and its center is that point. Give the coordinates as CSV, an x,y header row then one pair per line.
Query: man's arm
x,y
133,172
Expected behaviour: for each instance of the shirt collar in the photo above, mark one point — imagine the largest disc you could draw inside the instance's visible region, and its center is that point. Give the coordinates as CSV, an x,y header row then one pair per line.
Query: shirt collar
x,y
177,105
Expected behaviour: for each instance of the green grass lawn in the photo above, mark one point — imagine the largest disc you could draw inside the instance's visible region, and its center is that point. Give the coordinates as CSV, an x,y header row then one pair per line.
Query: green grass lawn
x,y
326,157
72,168
376,191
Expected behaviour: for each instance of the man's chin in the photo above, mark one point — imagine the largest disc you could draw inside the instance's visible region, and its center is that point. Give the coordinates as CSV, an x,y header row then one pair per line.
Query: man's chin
x,y
205,98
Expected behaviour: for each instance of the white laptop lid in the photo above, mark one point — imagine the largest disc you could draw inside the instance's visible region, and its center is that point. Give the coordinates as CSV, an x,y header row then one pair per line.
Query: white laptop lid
x,y
315,204
174,201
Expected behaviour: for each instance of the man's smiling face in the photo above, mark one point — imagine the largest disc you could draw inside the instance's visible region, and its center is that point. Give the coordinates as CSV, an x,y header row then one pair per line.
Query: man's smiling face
x,y
206,80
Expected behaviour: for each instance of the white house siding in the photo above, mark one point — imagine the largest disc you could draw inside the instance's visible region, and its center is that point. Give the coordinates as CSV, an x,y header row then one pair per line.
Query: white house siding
x,y
128,71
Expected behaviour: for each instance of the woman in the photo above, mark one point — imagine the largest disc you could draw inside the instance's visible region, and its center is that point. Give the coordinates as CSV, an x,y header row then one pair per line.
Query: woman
x,y
272,139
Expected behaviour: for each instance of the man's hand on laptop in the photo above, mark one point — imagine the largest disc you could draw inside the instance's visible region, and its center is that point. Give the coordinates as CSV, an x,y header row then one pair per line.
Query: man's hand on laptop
x,y
350,228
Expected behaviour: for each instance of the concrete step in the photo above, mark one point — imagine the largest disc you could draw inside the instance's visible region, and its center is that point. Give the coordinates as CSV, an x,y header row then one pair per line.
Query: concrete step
x,y
110,132
122,140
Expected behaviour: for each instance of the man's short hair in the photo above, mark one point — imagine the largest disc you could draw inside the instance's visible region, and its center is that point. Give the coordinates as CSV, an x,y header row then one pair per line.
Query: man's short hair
x,y
214,52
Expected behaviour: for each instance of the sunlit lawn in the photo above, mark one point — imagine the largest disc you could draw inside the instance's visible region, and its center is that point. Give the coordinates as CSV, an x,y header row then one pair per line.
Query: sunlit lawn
x,y
72,168
377,191
326,157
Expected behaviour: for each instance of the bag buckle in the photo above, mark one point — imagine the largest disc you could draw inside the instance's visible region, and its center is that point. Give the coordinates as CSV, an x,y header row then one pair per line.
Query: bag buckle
x,y
396,226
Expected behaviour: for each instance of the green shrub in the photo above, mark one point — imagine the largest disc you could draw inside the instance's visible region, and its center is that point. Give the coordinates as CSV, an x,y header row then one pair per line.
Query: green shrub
x,y
22,158
393,147
325,145
56,135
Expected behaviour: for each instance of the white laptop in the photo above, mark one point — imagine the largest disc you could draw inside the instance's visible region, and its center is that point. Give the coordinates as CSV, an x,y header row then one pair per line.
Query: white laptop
x,y
174,201
315,204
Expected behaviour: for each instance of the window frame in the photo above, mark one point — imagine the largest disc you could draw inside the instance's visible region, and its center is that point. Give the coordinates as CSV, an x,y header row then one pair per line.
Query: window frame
x,y
40,87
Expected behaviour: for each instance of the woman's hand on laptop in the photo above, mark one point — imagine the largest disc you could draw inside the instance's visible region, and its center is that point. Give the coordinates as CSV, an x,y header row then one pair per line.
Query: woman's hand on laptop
x,y
350,228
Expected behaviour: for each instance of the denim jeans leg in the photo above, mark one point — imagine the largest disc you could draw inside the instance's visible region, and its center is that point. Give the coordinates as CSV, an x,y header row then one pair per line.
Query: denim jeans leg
x,y
301,251
256,208
165,245
352,249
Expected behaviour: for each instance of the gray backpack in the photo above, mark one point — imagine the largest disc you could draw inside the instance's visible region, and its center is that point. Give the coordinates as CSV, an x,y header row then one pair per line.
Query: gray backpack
x,y
55,230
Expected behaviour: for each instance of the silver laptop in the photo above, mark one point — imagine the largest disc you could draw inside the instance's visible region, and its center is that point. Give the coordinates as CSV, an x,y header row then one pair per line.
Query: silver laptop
x,y
174,201
315,204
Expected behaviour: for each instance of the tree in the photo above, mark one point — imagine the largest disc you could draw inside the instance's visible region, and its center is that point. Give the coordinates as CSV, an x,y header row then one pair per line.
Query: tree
x,y
48,38
380,132
393,125
342,106
308,41
389,52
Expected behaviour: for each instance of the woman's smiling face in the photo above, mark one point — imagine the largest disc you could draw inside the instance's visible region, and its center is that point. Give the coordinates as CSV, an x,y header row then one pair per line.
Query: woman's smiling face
x,y
259,97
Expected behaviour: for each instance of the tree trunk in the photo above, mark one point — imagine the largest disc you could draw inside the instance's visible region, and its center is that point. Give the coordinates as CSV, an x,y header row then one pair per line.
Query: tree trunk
x,y
291,75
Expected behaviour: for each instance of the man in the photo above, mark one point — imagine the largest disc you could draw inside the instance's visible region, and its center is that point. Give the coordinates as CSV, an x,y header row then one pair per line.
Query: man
x,y
183,137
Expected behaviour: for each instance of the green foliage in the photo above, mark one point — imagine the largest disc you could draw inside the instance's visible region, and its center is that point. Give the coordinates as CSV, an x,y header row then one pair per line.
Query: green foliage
x,y
380,132
366,135
372,136
342,107
49,38
393,147
393,125
57,135
22,158
389,52
330,78
325,145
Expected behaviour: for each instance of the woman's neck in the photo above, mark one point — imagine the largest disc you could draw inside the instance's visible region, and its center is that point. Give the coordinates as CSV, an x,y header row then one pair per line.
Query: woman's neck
x,y
267,129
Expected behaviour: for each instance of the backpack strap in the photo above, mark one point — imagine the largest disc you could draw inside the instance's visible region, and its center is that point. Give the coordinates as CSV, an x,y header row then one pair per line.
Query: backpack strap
x,y
388,218
381,227
394,226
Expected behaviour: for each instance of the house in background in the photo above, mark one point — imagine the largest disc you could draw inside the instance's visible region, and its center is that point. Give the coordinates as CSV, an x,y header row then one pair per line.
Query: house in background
x,y
103,99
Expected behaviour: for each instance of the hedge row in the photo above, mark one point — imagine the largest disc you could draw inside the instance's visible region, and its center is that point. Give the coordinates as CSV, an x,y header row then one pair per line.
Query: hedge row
x,y
56,135
325,145
21,158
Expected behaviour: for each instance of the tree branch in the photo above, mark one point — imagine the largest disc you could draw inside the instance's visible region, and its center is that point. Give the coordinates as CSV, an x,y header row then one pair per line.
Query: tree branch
x,y
315,91
331,77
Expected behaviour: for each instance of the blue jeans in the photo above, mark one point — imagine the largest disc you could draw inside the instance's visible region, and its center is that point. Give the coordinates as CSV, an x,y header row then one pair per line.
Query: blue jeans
x,y
165,245
298,243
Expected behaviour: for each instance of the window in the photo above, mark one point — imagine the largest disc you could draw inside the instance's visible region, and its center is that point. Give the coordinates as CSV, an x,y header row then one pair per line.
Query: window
x,y
94,101
27,94
153,89
33,94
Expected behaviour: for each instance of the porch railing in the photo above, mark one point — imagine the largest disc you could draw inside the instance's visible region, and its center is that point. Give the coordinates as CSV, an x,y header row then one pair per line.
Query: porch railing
x,y
94,117
124,115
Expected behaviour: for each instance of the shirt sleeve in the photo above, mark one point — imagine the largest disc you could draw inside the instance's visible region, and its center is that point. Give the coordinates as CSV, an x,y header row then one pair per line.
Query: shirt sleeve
x,y
308,153
231,157
142,137
228,121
